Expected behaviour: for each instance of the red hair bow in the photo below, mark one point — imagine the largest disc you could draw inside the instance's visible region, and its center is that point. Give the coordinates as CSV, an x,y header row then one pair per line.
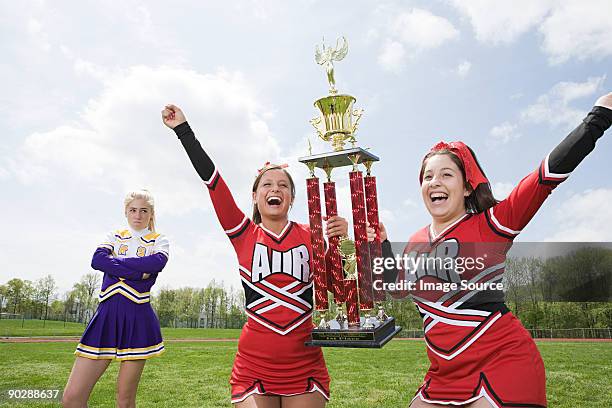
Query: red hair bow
x,y
473,173
267,165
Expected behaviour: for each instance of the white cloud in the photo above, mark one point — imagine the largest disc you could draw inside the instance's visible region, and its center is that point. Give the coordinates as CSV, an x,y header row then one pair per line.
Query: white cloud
x,y
569,29
554,107
38,35
392,57
372,35
386,216
502,134
419,29
464,68
118,143
411,32
497,22
4,174
409,202
82,67
119,137
501,190
578,29
580,218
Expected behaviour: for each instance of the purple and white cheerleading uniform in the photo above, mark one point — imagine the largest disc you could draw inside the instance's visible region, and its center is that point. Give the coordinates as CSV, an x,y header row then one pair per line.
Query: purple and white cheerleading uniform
x,y
125,326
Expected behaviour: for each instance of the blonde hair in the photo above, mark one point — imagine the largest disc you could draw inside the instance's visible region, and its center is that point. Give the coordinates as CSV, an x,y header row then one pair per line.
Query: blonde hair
x,y
148,198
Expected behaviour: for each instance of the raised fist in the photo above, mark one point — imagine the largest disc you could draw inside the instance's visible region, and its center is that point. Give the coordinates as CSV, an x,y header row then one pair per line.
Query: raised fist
x,y
173,116
605,101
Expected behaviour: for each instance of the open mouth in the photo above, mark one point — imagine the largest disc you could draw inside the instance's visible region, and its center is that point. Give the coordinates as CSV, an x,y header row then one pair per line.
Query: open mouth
x,y
438,197
274,201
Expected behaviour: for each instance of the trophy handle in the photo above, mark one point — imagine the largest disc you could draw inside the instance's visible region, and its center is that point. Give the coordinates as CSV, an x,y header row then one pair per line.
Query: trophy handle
x,y
357,113
315,122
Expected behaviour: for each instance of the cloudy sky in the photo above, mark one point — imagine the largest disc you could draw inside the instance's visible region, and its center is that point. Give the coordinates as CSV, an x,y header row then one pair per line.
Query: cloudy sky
x,y
83,84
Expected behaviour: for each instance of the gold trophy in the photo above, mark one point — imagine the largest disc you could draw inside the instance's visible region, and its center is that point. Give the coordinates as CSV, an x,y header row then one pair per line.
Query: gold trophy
x,y
346,269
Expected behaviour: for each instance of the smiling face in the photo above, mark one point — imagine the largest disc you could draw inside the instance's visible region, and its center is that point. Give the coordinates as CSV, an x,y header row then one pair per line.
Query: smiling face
x,y
443,188
138,214
273,195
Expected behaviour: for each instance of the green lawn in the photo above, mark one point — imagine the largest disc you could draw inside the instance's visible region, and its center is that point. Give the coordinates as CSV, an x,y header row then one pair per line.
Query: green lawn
x,y
28,328
195,374
31,328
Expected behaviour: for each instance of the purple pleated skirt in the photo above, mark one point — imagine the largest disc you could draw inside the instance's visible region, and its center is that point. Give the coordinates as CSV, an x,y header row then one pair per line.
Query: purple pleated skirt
x,y
123,330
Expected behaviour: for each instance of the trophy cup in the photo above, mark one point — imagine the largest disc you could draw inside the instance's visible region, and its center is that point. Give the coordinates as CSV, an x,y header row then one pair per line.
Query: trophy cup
x,y
346,269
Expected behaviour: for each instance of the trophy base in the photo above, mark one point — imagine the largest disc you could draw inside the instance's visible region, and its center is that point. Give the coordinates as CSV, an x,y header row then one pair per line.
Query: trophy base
x,y
357,337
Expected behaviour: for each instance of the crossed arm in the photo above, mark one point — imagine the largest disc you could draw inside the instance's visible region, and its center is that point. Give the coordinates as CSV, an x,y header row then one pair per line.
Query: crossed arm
x,y
128,268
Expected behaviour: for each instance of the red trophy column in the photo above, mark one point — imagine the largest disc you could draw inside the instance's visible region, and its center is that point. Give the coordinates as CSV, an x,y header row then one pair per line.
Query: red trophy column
x,y
375,247
334,264
352,308
361,241
318,247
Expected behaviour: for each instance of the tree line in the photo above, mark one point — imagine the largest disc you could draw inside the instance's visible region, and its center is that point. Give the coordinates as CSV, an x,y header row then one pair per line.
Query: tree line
x,y
212,306
574,290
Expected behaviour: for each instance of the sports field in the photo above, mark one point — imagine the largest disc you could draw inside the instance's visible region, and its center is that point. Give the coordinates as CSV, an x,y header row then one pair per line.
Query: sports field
x,y
196,373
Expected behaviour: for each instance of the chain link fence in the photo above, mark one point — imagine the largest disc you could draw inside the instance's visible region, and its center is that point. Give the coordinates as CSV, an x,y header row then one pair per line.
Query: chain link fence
x,y
576,333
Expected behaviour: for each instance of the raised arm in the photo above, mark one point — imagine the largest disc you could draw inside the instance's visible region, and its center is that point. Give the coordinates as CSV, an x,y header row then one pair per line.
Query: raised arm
x,y
577,145
511,215
232,219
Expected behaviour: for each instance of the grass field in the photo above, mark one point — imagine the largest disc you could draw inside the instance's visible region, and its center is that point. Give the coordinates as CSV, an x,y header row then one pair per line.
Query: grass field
x,y
195,374
36,328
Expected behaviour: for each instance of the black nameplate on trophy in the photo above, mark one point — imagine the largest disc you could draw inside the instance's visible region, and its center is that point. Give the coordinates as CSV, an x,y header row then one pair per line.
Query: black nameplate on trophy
x,y
358,337
339,158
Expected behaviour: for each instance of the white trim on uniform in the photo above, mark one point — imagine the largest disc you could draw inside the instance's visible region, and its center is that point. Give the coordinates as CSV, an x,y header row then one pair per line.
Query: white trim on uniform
x,y
125,290
483,393
474,279
467,312
501,227
257,391
264,299
279,236
247,395
467,344
433,235
281,291
237,227
214,174
272,297
452,322
281,332
548,173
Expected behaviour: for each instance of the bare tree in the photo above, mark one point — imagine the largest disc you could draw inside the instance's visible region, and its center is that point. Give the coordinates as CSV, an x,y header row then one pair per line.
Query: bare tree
x,y
46,288
90,283
4,293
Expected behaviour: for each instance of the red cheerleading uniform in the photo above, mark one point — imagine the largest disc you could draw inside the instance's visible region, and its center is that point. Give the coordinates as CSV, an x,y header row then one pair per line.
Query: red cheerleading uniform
x,y
476,347
275,273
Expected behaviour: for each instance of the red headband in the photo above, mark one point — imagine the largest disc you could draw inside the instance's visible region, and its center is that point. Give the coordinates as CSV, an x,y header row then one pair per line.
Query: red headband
x,y
473,173
267,165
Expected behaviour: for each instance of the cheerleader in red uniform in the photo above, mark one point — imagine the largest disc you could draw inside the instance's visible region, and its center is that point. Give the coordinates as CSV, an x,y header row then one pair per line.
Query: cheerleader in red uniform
x,y
273,367
480,354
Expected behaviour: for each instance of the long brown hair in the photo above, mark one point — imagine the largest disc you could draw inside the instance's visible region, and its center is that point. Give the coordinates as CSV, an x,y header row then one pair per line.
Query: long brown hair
x,y
256,215
481,198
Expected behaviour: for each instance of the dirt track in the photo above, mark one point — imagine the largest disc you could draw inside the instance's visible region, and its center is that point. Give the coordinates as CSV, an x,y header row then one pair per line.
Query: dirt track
x,y
76,339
